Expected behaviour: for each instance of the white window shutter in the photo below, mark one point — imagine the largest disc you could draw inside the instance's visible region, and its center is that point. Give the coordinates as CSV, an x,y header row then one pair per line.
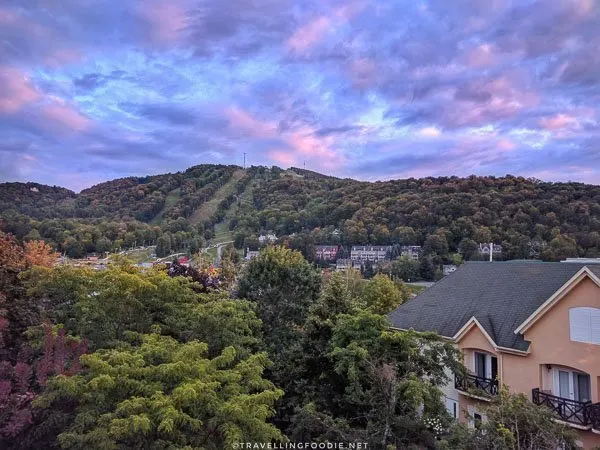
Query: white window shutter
x,y
580,324
595,320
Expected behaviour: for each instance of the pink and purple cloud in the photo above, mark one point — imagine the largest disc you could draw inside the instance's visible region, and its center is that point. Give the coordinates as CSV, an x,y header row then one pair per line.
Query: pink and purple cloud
x,y
370,89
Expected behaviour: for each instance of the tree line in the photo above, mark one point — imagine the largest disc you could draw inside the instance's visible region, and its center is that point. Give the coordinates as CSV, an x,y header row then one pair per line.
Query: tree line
x,y
527,217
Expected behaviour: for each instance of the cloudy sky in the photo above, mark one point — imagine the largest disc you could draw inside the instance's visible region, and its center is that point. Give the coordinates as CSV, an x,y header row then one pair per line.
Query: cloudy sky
x,y
92,90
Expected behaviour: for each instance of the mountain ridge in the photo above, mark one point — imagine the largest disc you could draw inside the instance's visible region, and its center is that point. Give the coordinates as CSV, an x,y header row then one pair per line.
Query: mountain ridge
x,y
524,215
294,169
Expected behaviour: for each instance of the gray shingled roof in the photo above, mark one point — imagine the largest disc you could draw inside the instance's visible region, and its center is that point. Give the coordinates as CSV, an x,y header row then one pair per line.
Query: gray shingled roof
x,y
501,295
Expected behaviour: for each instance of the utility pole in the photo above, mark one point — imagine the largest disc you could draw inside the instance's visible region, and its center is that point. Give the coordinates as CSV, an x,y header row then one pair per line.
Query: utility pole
x,y
244,160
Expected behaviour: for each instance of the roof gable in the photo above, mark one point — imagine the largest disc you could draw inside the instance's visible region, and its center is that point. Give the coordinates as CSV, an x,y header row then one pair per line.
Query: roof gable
x,y
500,295
473,322
582,274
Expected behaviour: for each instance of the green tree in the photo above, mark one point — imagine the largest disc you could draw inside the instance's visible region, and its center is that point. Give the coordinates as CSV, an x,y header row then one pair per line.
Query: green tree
x,y
388,382
405,236
436,244
468,248
103,245
283,285
513,422
164,394
368,270
406,269
73,248
195,246
427,268
103,306
561,247
163,246
381,295
316,377
33,235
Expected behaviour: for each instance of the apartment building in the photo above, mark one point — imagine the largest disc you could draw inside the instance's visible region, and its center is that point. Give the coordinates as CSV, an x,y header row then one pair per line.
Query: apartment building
x,y
532,326
347,264
412,252
373,253
268,238
326,252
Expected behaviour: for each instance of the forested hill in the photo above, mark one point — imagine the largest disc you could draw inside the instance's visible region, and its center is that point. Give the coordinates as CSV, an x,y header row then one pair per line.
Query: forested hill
x,y
528,217
36,200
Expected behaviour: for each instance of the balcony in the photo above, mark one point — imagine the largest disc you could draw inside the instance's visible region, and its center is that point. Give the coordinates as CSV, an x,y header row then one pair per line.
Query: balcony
x,y
581,414
477,387
594,415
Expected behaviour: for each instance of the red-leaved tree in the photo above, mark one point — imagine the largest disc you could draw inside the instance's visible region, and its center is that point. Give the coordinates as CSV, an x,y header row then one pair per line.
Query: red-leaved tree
x,y
21,381
25,369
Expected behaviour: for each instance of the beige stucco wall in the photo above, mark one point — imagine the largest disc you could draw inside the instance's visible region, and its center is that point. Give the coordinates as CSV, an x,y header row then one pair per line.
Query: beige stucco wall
x,y
550,344
472,341
588,440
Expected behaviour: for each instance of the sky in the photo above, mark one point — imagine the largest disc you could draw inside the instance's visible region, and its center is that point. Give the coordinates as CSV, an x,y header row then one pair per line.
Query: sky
x,y
92,90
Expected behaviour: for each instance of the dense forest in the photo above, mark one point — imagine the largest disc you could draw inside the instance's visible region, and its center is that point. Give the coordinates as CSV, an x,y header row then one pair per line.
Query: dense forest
x,y
204,358
449,216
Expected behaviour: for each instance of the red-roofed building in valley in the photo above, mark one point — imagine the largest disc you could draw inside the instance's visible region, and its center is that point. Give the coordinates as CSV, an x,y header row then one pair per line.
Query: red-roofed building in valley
x,y
326,252
183,261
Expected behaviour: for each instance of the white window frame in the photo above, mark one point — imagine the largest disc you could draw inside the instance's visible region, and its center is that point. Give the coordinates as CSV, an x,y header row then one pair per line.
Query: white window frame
x,y
584,325
452,407
556,381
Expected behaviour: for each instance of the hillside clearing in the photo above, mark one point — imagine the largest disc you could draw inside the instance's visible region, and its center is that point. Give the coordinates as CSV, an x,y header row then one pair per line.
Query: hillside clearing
x,y
209,208
172,198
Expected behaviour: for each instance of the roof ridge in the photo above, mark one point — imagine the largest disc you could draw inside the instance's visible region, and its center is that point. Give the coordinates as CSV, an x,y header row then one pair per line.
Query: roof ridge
x,y
501,296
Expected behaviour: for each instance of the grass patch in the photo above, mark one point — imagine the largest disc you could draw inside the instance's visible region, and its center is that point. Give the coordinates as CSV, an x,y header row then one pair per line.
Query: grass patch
x,y
415,289
222,231
209,208
170,201
138,256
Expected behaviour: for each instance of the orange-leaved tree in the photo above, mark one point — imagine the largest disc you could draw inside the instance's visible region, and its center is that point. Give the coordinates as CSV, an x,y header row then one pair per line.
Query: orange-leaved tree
x,y
38,253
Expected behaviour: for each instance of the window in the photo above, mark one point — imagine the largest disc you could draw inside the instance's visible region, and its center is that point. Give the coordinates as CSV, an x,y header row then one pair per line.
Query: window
x,y
584,325
475,417
485,365
452,407
572,385
581,386
480,364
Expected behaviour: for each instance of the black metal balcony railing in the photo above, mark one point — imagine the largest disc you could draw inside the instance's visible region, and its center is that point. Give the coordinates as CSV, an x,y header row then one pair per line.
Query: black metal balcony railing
x,y
476,385
594,415
579,413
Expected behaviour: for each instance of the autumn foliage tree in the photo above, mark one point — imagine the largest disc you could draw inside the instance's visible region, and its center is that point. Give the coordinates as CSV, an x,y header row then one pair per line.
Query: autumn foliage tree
x,y
18,312
22,381
38,253
26,365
